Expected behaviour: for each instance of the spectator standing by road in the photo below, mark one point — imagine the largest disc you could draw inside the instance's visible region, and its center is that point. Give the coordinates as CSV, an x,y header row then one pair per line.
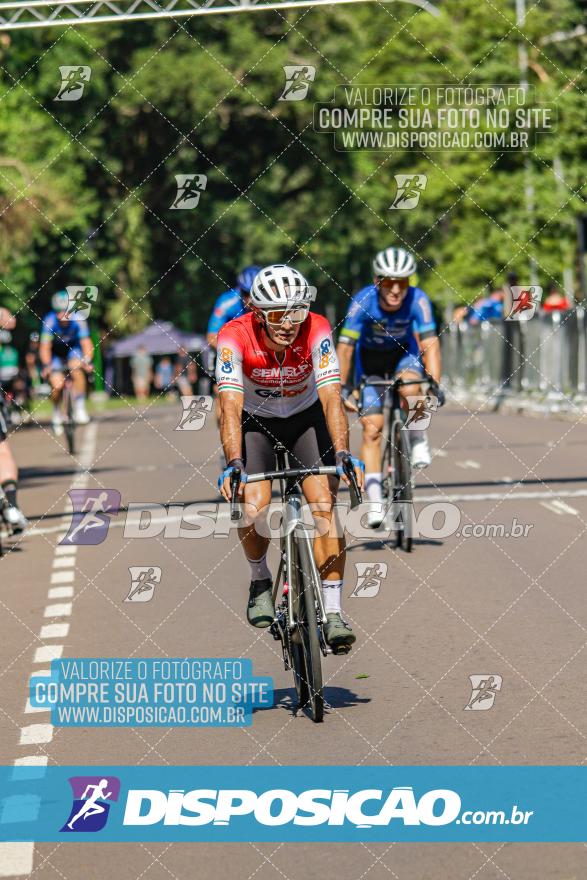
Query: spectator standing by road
x,y
141,364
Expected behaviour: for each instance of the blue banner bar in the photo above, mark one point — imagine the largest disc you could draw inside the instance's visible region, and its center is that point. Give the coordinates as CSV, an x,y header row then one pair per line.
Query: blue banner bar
x,y
330,804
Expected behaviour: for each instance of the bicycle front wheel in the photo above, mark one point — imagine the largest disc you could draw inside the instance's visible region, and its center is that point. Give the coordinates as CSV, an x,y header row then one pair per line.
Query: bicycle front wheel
x,y
69,423
402,491
296,641
308,629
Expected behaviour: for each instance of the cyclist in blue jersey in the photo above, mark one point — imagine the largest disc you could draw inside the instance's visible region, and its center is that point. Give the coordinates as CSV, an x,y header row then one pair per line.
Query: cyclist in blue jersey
x,y
231,304
390,327
65,341
10,510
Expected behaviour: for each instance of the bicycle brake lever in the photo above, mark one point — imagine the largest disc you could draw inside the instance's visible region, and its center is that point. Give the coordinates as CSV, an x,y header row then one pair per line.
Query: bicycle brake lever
x,y
235,479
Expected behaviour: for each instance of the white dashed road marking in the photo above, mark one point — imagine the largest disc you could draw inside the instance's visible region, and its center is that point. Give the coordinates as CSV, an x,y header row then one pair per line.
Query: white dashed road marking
x,y
16,859
559,507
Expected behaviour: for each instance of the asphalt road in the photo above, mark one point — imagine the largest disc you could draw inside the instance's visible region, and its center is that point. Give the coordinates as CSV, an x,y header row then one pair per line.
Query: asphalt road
x,y
457,606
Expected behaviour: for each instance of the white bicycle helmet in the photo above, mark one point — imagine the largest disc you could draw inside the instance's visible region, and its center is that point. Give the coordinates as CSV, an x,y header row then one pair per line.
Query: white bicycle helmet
x,y
280,287
394,263
60,301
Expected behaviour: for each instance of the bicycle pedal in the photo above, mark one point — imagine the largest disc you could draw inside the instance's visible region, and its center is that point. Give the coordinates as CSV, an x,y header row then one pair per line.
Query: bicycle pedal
x,y
337,650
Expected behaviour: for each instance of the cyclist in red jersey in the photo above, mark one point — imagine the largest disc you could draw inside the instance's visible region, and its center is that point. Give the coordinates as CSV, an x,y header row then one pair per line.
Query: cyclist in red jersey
x,y
278,380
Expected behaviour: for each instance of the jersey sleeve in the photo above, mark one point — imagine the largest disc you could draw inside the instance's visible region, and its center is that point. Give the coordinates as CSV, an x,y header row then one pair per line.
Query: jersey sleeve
x,y
324,359
83,331
229,361
222,312
423,321
355,320
47,328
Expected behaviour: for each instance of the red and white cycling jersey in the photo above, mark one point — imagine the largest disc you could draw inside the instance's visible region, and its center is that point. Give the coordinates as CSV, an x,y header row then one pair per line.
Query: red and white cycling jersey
x,y
273,389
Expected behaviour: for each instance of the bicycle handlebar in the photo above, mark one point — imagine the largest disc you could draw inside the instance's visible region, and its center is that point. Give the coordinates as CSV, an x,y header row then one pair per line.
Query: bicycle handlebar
x,y
395,383
291,474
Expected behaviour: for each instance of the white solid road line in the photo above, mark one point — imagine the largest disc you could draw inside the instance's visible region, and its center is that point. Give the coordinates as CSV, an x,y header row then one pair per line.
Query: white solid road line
x,y
468,463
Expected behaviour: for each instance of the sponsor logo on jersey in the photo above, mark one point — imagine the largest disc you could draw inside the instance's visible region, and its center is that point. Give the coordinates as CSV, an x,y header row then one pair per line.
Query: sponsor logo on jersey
x,y
280,392
226,359
275,373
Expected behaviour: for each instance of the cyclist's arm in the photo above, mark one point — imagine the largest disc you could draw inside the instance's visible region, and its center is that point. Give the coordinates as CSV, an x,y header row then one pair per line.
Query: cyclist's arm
x,y
327,374
424,327
7,320
45,344
231,430
87,347
229,379
344,352
350,335
430,348
212,339
336,420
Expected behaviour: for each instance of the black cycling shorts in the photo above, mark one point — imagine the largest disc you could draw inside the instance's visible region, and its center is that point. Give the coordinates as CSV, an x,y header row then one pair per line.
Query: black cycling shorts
x,y
4,418
304,435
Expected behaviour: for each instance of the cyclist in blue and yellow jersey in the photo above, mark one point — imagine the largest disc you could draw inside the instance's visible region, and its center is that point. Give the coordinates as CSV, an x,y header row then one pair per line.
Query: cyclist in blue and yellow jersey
x,y
65,341
390,327
11,512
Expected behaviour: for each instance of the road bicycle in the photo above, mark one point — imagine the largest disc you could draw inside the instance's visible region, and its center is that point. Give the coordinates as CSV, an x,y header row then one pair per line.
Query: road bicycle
x,y
396,463
297,590
68,407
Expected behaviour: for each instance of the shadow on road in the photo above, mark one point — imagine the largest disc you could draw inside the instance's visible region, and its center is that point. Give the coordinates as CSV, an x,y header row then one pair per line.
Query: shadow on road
x,y
334,698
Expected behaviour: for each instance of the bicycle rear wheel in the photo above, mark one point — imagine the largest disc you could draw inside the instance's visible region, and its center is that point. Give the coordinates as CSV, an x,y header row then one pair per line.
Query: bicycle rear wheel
x,y
308,630
69,423
402,490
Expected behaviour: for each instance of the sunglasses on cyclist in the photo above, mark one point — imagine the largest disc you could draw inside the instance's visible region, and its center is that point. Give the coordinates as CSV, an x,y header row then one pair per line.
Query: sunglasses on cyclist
x,y
277,317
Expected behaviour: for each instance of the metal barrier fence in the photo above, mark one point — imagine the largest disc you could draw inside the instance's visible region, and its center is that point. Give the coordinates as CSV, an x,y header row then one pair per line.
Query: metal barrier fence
x,y
543,358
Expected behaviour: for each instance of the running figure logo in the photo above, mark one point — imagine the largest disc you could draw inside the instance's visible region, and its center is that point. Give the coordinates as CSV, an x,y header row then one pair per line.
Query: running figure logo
x,y
297,81
195,410
73,82
90,808
483,691
369,577
421,409
525,301
189,189
144,579
92,509
409,189
81,299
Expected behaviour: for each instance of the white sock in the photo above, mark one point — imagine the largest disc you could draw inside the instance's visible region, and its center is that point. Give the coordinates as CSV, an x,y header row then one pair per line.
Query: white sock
x,y
417,436
373,487
57,412
259,569
332,595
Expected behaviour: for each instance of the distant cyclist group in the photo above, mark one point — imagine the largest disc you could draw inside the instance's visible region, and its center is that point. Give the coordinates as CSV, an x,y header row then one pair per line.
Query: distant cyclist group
x,y
64,346
283,383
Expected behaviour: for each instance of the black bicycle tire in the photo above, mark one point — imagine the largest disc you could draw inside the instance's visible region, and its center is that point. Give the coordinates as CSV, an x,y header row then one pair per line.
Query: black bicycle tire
x,y
296,652
69,426
403,485
309,633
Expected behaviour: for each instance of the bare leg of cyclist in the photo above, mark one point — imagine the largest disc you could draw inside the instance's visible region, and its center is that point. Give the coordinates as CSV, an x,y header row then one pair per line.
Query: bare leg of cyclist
x,y
371,455
56,380
79,392
254,538
420,451
9,482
